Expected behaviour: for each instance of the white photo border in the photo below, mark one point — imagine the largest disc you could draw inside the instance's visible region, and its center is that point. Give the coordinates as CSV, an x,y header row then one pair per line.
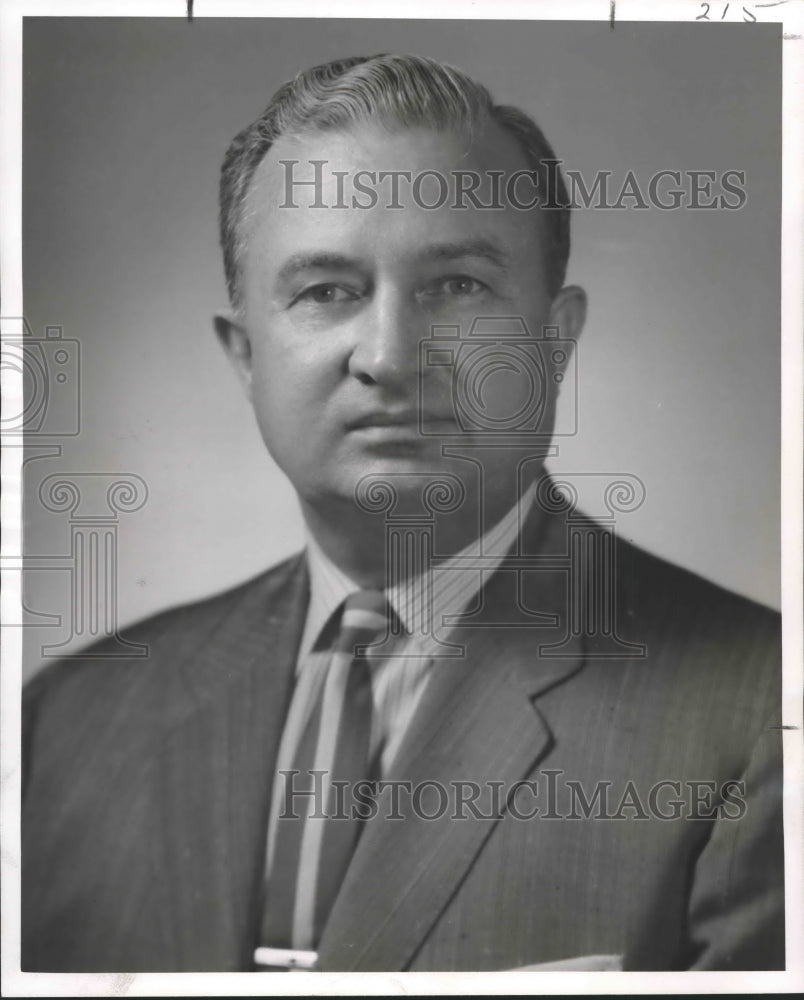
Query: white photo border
x,y
790,14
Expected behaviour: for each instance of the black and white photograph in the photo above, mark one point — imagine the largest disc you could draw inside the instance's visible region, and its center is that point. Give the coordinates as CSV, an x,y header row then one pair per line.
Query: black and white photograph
x,y
402,499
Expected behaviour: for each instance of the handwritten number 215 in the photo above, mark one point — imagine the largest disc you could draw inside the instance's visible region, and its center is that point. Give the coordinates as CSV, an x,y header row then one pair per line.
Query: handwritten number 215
x,y
747,15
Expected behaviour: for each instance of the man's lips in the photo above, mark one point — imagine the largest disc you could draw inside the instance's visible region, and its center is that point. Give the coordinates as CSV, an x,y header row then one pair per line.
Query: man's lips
x,y
385,418
399,419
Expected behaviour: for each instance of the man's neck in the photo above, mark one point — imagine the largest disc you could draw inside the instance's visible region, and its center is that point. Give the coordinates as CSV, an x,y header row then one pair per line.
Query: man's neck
x,y
359,542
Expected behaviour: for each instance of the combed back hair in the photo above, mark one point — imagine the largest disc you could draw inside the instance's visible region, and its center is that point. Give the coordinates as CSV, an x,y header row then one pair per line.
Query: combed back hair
x,y
395,91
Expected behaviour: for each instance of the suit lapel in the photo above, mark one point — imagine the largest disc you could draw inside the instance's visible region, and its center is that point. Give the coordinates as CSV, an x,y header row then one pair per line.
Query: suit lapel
x,y
477,722
216,768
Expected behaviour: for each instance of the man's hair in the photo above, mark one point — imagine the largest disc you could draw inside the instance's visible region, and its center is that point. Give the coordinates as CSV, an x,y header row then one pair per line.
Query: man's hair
x,y
394,90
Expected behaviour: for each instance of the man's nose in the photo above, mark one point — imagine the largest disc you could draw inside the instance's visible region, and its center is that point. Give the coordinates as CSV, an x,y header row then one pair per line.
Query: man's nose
x,y
386,344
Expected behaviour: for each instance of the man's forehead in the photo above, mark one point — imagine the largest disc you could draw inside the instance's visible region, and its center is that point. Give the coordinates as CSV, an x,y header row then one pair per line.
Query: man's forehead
x,y
318,168
391,198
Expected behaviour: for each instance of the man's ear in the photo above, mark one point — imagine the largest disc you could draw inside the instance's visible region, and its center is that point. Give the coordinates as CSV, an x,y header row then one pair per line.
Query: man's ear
x,y
568,313
235,341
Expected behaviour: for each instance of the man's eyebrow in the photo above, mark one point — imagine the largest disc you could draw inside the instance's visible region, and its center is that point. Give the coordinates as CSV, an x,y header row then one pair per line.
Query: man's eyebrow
x,y
484,248
323,259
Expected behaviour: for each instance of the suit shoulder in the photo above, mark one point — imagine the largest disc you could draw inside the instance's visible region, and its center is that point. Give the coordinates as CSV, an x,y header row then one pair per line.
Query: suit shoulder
x,y
167,638
699,636
649,582
87,707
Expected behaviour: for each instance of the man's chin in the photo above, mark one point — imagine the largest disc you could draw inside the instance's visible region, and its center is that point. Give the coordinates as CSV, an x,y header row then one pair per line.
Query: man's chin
x,y
397,481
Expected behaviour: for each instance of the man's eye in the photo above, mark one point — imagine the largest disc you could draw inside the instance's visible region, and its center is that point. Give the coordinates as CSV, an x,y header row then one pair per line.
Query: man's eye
x,y
325,294
459,286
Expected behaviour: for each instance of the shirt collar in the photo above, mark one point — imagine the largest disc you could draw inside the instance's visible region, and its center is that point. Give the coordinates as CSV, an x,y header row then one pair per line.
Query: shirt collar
x,y
454,582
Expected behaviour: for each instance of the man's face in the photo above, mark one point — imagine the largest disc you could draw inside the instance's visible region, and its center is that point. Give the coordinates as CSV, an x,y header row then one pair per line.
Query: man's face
x,y
336,301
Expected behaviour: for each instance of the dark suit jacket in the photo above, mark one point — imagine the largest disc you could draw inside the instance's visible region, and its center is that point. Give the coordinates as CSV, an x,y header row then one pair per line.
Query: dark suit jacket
x,y
148,785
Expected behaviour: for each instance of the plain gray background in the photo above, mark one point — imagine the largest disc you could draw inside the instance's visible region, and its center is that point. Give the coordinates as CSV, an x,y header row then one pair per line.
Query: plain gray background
x,y
125,124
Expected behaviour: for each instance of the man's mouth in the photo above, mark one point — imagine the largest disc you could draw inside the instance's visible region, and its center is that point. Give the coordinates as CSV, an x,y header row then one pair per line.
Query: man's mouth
x,y
385,418
402,422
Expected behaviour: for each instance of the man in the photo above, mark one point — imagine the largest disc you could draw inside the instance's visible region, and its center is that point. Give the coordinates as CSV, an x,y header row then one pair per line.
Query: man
x,y
558,750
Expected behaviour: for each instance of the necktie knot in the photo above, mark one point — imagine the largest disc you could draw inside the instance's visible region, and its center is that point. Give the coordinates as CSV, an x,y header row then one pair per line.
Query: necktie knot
x,y
364,622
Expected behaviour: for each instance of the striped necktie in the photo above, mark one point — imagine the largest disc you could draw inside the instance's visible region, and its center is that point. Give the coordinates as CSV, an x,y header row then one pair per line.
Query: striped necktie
x,y
317,830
